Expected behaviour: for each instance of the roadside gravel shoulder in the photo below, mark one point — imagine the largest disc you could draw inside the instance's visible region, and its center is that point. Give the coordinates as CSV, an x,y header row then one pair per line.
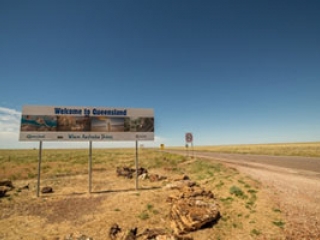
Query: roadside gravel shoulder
x,y
296,192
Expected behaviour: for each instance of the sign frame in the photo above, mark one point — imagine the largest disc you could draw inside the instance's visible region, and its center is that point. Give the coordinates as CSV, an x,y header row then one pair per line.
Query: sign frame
x,y
42,124
189,137
56,123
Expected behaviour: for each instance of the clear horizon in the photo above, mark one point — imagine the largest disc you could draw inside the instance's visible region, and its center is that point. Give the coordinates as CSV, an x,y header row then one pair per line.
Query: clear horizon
x,y
229,72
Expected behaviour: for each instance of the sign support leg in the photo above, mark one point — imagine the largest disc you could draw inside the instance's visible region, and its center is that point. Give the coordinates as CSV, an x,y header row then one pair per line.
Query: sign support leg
x,y
90,166
137,182
192,149
39,168
187,150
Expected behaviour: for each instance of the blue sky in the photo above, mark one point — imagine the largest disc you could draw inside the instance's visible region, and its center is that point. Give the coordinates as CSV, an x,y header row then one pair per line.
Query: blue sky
x,y
230,72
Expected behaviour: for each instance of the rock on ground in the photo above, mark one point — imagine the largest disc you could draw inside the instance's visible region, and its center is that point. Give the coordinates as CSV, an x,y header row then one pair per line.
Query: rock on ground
x,y
3,191
47,190
190,214
6,183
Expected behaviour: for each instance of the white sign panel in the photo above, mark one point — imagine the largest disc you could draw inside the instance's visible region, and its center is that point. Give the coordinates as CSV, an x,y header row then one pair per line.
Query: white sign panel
x,y
56,123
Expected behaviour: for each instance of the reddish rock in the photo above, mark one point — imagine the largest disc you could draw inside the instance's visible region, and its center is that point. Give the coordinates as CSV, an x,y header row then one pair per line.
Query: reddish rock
x,y
47,190
3,190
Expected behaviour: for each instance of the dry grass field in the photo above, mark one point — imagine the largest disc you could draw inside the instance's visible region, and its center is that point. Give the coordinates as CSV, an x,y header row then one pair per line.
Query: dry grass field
x,y
281,149
247,210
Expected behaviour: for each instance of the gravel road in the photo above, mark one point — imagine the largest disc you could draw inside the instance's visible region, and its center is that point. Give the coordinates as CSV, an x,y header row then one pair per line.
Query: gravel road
x,y
301,165
292,182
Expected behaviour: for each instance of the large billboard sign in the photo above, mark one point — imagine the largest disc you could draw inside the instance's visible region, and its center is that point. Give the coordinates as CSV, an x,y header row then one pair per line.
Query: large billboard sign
x,y
56,123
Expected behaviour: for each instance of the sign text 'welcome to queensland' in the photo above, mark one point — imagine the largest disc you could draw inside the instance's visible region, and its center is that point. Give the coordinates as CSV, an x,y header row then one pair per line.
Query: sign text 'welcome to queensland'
x,y
87,112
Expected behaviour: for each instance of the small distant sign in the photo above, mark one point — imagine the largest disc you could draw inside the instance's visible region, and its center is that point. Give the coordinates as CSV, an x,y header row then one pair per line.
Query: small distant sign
x,y
189,137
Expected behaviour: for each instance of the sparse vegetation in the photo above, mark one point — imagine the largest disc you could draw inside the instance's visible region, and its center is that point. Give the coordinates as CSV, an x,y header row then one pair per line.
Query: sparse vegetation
x,y
237,194
255,232
290,149
234,190
227,200
276,210
144,215
220,184
149,207
279,223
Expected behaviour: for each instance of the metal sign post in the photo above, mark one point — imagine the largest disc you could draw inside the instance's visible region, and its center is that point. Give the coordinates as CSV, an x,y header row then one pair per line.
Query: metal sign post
x,y
192,150
189,139
39,168
90,166
187,150
137,179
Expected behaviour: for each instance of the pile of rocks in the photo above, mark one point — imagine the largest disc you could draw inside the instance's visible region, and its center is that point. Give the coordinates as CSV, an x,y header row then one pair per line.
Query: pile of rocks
x,y
142,174
5,186
47,190
116,233
125,172
77,236
156,177
188,215
128,172
192,207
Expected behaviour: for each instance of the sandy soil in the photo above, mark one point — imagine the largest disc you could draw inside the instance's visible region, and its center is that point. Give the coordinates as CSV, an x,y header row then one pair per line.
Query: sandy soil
x,y
297,194
72,210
